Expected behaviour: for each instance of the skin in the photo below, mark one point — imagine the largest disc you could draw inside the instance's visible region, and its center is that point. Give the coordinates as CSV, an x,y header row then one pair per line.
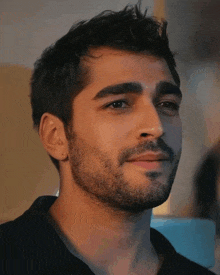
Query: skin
x,y
104,206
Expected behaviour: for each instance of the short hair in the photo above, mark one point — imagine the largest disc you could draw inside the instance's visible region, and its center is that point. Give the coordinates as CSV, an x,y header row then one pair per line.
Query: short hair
x,y
59,75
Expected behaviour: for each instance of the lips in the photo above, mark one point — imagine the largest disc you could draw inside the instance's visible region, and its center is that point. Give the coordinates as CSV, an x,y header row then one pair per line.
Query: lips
x,y
150,157
150,161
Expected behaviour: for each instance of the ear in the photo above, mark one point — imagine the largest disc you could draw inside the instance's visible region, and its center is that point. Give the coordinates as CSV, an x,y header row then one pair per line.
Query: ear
x,y
53,137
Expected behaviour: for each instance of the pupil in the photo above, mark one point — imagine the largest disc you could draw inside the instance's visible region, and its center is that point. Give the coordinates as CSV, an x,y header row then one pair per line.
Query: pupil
x,y
117,104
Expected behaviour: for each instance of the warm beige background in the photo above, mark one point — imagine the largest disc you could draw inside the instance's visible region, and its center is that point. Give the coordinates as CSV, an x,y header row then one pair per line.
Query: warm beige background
x,y
25,172
27,27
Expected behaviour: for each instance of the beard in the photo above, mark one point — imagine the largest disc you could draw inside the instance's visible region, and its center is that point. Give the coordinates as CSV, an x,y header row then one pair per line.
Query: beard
x,y
104,181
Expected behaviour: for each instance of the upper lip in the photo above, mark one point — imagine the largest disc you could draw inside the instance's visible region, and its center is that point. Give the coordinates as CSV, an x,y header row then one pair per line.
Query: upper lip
x,y
151,157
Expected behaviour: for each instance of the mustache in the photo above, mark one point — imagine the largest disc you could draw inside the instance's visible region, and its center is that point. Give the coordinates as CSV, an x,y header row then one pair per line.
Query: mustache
x,y
154,146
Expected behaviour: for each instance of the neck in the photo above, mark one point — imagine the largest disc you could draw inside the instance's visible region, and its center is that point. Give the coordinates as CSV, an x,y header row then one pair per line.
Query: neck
x,y
103,237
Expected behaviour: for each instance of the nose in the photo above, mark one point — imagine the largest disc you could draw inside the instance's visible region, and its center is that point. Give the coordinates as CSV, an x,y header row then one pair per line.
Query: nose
x,y
149,123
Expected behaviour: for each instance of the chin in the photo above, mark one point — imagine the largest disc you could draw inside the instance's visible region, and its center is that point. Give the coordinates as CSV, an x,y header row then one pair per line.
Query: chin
x,y
138,200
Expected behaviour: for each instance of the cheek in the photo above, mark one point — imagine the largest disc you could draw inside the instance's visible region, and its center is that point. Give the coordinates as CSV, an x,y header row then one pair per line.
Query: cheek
x,y
98,133
110,135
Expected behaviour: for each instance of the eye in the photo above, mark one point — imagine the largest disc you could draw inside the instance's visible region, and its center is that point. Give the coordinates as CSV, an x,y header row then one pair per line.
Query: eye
x,y
169,108
119,104
170,105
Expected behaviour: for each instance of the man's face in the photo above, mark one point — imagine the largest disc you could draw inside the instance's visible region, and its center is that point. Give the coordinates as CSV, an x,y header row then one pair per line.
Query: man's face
x,y
126,139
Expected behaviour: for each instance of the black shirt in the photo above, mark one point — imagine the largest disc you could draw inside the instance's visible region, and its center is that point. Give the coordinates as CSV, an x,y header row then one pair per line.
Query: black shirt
x,y
31,245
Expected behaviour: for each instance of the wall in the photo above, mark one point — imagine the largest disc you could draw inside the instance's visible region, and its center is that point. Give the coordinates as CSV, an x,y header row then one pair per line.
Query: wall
x,y
194,31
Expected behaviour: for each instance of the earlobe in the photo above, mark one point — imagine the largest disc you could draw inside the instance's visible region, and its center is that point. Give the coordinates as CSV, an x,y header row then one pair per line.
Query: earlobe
x,y
52,135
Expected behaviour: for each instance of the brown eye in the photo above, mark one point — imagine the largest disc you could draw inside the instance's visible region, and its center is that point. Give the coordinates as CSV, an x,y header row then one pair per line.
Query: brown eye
x,y
169,108
170,105
119,104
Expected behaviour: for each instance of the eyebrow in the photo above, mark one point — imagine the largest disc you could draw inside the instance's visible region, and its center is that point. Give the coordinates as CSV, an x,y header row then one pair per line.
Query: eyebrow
x,y
121,88
168,88
162,88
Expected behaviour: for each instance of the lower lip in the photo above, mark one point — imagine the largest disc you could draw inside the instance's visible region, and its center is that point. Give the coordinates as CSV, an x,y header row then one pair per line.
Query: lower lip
x,y
149,165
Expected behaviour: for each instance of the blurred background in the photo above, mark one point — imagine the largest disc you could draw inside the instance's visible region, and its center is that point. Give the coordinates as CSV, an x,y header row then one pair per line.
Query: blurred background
x,y
28,27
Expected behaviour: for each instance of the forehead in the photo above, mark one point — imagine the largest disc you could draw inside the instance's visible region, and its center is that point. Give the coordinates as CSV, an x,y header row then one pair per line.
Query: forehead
x,y
113,66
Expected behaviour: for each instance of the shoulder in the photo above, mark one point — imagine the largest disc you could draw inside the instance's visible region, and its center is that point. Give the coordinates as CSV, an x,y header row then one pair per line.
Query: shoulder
x,y
9,239
174,263
21,237
181,265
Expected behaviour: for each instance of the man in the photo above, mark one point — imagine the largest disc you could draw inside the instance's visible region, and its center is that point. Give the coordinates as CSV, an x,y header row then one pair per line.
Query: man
x,y
105,101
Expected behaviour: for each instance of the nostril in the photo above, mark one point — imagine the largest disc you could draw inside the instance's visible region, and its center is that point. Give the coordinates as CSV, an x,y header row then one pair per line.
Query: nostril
x,y
144,134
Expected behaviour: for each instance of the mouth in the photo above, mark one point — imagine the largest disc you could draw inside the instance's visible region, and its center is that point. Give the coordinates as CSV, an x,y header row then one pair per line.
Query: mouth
x,y
149,165
150,161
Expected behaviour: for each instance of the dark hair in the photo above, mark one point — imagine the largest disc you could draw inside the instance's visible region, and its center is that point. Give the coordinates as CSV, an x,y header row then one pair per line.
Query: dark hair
x,y
205,186
59,76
